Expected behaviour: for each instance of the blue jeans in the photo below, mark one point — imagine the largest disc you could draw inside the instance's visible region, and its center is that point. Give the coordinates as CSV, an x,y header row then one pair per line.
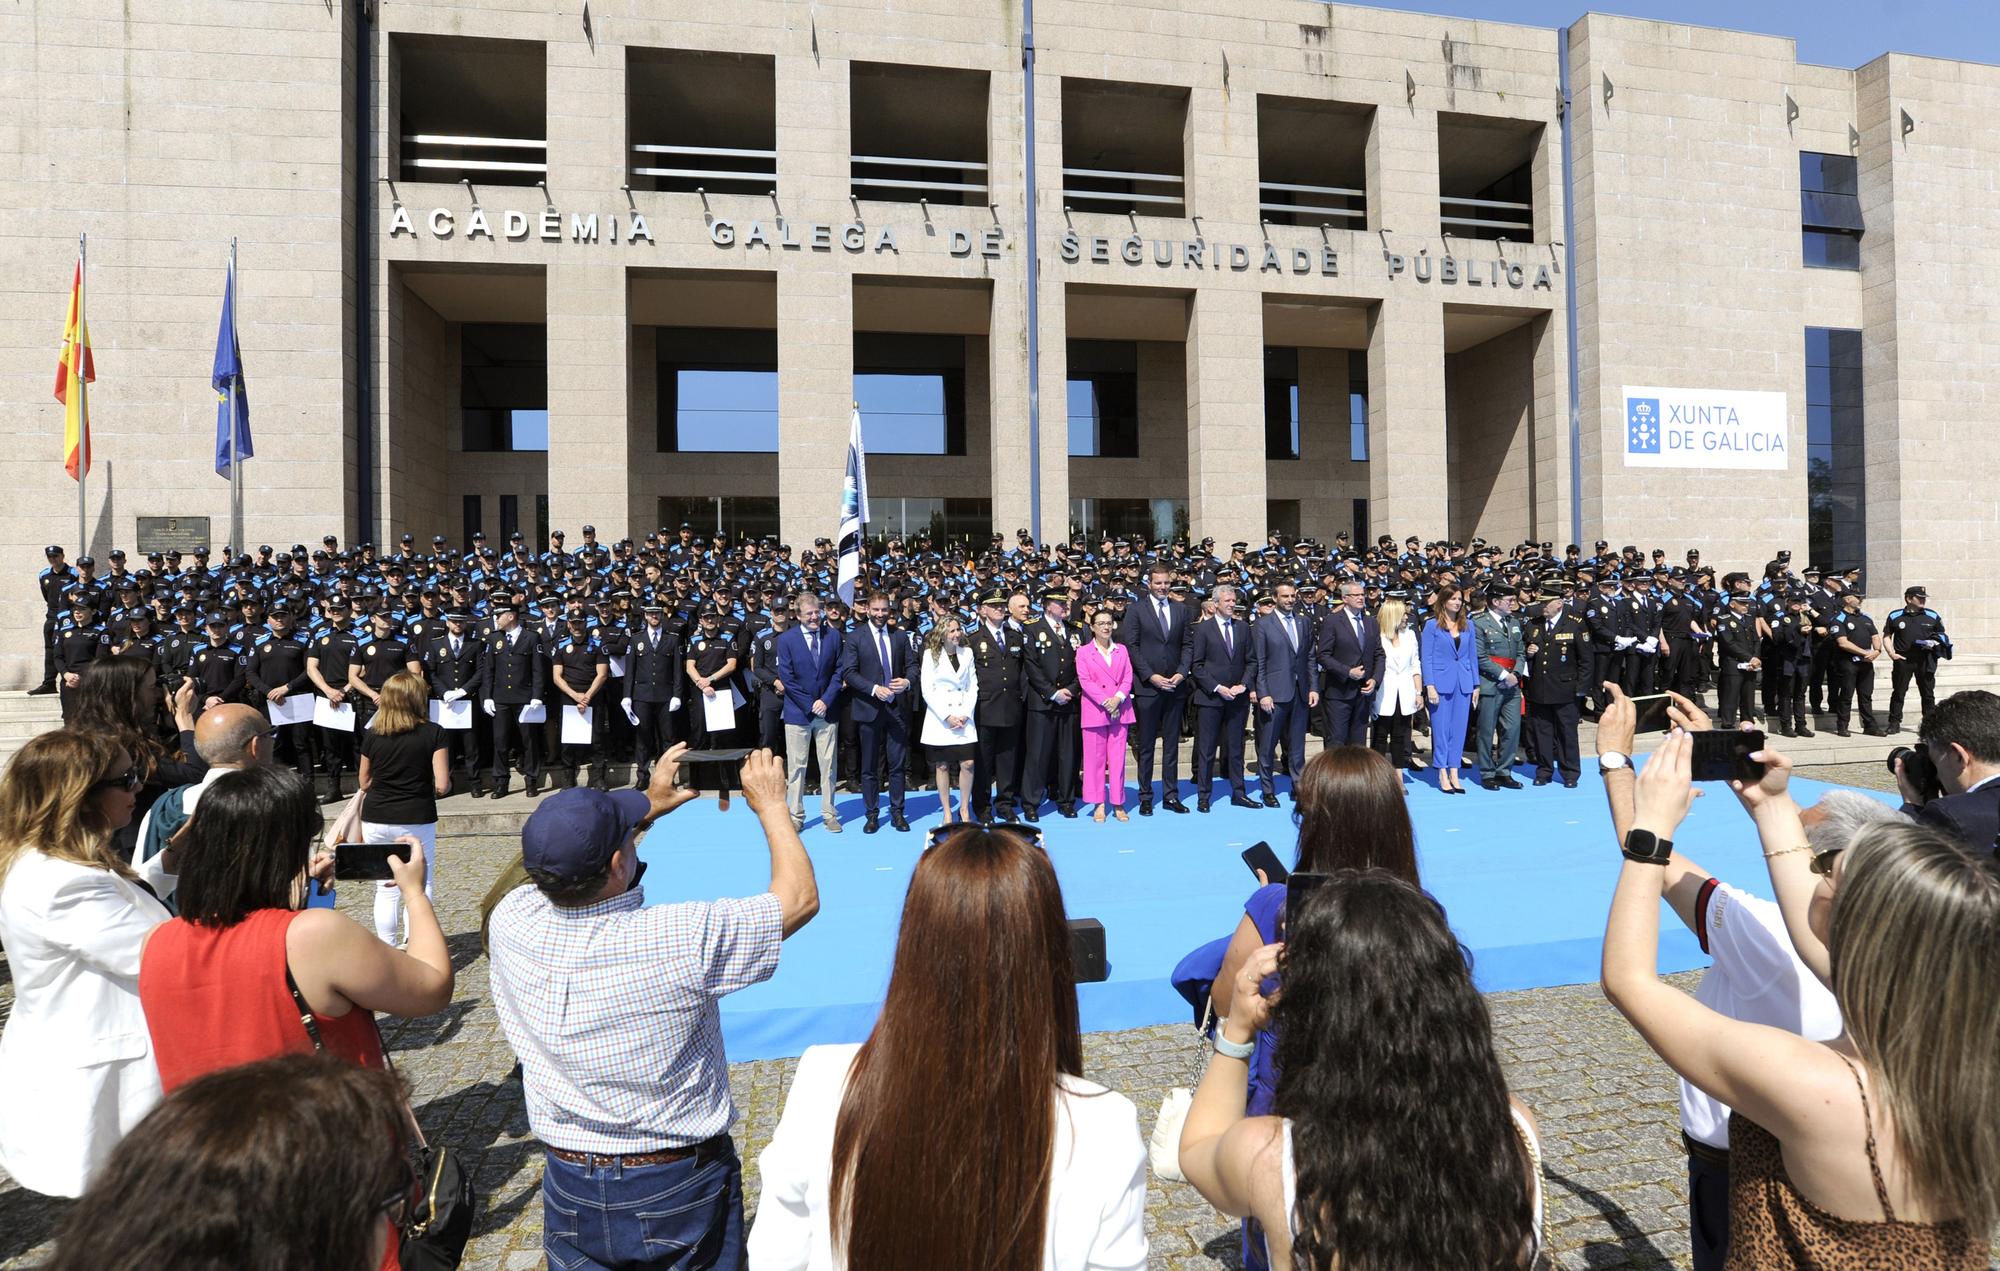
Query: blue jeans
x,y
680,1216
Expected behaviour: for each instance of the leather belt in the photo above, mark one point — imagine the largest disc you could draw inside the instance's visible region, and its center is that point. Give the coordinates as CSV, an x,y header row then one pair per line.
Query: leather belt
x,y
1707,1153
665,1156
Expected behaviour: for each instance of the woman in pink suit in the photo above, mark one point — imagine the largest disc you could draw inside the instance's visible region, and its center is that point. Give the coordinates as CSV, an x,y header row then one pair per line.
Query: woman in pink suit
x,y
1104,681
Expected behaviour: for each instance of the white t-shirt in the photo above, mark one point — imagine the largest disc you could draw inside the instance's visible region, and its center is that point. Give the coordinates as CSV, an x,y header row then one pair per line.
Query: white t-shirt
x,y
1097,1192
1757,978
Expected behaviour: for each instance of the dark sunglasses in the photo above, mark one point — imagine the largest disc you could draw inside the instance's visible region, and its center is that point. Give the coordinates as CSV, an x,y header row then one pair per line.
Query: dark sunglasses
x,y
1032,833
130,779
1822,862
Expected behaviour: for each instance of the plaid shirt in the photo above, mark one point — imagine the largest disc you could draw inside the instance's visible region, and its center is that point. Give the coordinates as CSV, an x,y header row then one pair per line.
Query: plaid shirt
x,y
612,1010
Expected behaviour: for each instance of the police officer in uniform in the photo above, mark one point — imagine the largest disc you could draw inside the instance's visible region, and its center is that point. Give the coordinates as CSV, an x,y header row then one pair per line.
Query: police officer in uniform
x,y
218,666
177,649
80,640
1681,625
276,672
581,669
1856,647
54,580
511,670
1048,661
1555,649
653,676
1607,655
451,664
329,665
996,655
1791,649
380,655
766,690
1737,640
709,661
1916,640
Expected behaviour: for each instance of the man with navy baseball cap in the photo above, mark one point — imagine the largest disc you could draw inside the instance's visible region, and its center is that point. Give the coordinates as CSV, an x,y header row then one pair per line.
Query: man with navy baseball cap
x,y
613,1009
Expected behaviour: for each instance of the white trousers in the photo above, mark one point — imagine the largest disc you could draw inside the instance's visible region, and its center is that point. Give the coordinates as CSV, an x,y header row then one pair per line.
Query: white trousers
x,y
388,897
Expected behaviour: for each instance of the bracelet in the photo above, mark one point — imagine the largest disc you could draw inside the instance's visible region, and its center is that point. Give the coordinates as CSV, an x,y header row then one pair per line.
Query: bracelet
x,y
1233,1050
1787,851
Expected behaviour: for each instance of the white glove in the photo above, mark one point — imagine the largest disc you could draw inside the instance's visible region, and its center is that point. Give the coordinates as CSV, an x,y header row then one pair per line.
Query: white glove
x,y
488,704
626,702
1622,642
1650,644
455,695
534,701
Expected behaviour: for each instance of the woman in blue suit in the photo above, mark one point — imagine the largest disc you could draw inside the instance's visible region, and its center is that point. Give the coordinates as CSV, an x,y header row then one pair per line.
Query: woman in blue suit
x,y
1451,683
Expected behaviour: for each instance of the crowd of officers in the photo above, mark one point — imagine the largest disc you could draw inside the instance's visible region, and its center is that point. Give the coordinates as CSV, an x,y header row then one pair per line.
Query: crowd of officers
x,y
639,634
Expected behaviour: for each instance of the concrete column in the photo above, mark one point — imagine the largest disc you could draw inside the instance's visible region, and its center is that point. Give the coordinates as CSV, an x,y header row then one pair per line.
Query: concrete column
x,y
1007,405
815,400
590,425
1408,489
1225,415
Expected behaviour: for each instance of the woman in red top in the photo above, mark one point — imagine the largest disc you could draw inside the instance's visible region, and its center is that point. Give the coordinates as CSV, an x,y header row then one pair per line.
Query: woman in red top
x,y
213,981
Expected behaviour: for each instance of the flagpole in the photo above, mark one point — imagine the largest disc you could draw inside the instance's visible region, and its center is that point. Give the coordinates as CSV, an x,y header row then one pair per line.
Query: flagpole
x,y
235,468
83,405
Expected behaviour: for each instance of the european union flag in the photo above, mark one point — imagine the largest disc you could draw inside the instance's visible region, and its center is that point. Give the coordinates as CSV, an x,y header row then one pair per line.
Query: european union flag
x,y
228,374
1642,425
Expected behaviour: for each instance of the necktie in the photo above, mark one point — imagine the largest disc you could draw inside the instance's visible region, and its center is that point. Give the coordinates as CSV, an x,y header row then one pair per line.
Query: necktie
x,y
812,645
1291,636
1228,644
882,648
1359,640
454,646
1165,623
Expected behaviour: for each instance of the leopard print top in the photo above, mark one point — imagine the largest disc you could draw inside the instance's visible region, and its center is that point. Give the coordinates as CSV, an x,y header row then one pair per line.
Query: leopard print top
x,y
1772,1227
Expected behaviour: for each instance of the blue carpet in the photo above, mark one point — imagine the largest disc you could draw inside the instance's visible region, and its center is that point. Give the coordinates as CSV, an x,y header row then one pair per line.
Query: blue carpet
x,y
1526,877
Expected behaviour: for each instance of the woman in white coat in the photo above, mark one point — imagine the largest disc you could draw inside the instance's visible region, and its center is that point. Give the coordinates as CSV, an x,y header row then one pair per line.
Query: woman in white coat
x,y
951,693
76,1061
1402,690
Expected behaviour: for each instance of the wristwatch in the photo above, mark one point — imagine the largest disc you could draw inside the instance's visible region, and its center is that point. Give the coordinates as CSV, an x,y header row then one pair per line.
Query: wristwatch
x,y
1612,761
1232,1050
1647,848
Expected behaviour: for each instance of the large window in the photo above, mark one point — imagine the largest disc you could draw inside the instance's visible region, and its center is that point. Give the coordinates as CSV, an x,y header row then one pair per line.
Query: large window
x,y
1835,456
1357,405
1104,399
1281,403
1142,520
1830,210
953,520
503,386
911,393
718,390
739,516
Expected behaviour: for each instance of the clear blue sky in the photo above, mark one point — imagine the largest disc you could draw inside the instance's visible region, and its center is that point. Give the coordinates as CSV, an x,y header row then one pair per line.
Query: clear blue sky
x,y
1845,33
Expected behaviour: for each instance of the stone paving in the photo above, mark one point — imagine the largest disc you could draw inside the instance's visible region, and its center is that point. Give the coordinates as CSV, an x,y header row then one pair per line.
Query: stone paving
x,y
1606,1106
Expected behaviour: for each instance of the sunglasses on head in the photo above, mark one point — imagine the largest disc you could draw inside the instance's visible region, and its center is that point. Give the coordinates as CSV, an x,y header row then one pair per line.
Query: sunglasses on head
x,y
1822,862
128,780
937,834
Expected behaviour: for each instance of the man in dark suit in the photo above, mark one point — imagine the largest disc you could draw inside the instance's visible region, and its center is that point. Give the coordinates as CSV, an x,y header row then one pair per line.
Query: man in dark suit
x,y
1054,727
996,656
452,665
809,658
1285,681
1220,668
1962,737
1349,653
1155,633
653,678
875,666
511,673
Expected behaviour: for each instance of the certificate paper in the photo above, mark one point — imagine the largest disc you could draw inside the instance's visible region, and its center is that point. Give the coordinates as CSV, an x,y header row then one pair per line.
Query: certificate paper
x,y
291,710
719,712
533,714
576,725
456,716
339,718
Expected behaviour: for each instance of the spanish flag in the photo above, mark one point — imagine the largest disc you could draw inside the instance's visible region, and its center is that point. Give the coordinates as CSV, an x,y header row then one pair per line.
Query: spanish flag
x,y
73,373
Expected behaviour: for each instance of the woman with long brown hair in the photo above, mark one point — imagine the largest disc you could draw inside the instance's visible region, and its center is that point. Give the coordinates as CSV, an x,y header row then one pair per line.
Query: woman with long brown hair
x,y
119,699
74,1058
1450,658
961,1133
1351,814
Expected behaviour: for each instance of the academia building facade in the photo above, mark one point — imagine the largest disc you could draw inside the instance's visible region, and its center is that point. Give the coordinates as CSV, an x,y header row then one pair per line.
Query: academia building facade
x,y
1230,266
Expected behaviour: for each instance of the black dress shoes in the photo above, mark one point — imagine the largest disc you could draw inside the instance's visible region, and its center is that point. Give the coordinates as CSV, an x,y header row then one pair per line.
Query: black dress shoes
x,y
1270,800
1509,780
870,826
897,821
1145,807
1244,801
1033,816
1488,783
1200,805
1175,805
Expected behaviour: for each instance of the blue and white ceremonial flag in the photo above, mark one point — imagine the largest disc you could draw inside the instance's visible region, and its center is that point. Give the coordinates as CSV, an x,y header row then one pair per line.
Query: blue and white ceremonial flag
x,y
853,513
227,377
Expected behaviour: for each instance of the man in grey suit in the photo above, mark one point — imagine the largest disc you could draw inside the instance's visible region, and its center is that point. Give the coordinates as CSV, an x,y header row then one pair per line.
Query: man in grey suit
x,y
1284,679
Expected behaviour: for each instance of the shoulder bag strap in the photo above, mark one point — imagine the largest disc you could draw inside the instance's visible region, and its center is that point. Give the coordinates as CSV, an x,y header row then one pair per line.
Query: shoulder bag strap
x,y
305,1011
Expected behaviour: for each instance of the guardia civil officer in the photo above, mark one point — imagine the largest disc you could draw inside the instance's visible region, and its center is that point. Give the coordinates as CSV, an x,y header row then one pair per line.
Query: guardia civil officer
x,y
1915,639
1857,645
996,655
451,664
511,672
1554,658
1497,635
276,672
581,669
329,665
652,677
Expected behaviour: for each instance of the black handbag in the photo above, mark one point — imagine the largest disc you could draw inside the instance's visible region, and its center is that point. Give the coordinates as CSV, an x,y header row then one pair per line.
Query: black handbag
x,y
439,1219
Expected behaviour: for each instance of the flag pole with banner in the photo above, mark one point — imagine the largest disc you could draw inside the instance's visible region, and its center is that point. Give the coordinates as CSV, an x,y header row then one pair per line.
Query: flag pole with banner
x,y
853,513
73,375
232,406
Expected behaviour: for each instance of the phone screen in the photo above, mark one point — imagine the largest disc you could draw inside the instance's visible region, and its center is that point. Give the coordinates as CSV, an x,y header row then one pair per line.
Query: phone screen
x,y
1650,713
364,861
1724,755
710,769
1260,856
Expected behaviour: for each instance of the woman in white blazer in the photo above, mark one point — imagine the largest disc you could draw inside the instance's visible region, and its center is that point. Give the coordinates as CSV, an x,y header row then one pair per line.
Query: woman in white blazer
x,y
951,694
1402,691
76,1061
943,1146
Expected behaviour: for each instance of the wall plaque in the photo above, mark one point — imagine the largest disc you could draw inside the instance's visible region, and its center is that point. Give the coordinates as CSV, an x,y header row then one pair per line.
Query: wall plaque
x,y
172,533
